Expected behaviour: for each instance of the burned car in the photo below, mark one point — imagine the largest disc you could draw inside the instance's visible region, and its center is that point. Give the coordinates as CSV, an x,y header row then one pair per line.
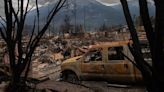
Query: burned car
x,y
104,61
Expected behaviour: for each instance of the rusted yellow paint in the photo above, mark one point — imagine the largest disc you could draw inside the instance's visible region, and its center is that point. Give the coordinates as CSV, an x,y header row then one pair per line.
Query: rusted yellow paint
x,y
117,70
71,60
92,68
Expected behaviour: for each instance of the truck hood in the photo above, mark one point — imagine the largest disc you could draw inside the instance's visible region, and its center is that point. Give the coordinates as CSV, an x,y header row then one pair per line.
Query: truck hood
x,y
71,60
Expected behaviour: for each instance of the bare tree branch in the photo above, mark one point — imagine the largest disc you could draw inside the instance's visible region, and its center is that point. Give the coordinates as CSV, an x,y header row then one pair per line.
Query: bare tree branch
x,y
18,9
13,36
13,11
136,43
6,9
22,10
131,48
27,50
40,34
59,5
26,10
3,35
9,40
31,37
57,8
13,30
144,12
4,27
3,19
38,17
7,18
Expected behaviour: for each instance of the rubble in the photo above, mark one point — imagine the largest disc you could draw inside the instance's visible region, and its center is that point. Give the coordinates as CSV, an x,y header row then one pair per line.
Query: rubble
x,y
51,52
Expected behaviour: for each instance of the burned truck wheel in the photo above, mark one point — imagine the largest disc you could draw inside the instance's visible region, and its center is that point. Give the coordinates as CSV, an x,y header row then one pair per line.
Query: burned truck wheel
x,y
70,77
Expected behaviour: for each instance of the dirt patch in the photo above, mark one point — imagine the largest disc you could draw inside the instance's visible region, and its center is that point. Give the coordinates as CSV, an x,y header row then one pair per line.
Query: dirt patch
x,y
87,86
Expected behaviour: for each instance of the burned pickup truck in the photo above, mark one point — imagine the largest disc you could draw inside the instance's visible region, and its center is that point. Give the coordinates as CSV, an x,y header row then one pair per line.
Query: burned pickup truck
x,y
104,61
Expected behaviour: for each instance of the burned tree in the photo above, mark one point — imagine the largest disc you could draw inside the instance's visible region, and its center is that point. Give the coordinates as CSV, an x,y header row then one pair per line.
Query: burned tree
x,y
152,75
66,27
12,33
103,28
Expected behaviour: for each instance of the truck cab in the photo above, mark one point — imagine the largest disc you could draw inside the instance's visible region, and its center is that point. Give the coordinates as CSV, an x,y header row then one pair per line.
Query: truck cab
x,y
103,61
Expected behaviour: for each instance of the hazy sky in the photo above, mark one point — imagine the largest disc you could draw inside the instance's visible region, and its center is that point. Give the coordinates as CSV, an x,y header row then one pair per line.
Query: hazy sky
x,y
109,1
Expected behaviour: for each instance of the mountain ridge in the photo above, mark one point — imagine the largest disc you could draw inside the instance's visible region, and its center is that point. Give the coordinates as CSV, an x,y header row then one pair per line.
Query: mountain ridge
x,y
95,13
90,13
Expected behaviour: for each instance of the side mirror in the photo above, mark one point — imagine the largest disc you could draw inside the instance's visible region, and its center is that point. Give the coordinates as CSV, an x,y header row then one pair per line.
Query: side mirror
x,y
87,59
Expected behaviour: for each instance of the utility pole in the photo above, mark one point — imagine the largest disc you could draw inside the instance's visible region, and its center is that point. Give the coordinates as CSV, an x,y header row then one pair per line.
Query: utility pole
x,y
49,25
75,6
84,19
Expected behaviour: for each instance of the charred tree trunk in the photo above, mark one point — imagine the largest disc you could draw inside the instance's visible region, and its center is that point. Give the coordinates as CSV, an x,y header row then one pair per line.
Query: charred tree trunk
x,y
154,75
142,65
15,84
158,63
20,57
144,12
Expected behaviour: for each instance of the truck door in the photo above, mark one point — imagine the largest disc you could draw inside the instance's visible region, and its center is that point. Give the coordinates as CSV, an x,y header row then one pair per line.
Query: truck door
x,y
92,66
116,67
